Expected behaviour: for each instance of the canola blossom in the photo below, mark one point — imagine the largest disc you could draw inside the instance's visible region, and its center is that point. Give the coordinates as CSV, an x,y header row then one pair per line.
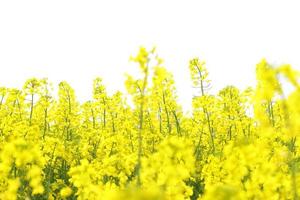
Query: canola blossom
x,y
234,145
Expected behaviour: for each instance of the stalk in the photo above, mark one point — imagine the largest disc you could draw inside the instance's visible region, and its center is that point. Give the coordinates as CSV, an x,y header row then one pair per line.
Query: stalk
x,y
141,117
31,109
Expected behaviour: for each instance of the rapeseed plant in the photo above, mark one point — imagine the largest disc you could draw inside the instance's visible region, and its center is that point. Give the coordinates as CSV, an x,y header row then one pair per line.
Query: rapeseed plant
x,y
234,145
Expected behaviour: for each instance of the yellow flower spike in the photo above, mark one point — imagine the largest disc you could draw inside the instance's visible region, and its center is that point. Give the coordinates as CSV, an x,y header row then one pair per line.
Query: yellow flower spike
x,y
290,74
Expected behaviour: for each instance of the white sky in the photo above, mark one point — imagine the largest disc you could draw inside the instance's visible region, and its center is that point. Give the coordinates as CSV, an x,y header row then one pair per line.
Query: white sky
x,y
78,40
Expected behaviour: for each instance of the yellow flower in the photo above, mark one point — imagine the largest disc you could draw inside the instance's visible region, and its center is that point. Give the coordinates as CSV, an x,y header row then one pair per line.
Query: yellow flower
x,y
65,192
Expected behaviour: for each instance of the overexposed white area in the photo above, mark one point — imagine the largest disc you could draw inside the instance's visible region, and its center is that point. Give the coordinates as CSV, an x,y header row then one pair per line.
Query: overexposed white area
x,y
78,40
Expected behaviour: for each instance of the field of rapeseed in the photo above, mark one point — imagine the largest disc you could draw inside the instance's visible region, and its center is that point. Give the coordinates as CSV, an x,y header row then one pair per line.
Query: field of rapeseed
x,y
235,144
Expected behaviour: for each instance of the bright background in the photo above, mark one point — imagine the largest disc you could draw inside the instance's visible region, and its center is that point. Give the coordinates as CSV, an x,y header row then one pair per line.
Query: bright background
x,y
78,40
